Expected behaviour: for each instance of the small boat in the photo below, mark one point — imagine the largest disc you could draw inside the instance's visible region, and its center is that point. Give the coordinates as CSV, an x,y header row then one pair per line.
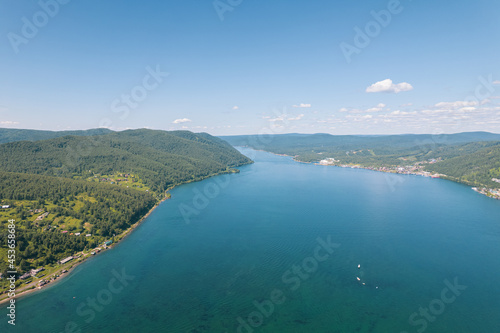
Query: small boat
x,y
358,278
359,266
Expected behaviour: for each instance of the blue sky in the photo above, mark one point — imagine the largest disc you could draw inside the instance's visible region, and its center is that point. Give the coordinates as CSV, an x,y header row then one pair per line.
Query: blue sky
x,y
265,67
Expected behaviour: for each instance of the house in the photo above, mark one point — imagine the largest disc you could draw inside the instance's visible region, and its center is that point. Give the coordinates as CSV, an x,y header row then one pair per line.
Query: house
x,y
88,235
108,242
5,206
65,260
77,234
25,276
36,271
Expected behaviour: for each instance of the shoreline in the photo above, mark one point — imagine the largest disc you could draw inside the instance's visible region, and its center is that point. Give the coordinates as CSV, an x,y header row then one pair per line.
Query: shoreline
x,y
439,176
72,265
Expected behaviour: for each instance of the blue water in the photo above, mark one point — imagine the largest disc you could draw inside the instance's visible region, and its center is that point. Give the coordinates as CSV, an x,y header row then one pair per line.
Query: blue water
x,y
201,262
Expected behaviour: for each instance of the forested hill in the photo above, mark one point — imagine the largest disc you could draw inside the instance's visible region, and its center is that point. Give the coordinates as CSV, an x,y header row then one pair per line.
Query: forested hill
x,y
472,158
298,144
71,193
475,164
13,134
161,159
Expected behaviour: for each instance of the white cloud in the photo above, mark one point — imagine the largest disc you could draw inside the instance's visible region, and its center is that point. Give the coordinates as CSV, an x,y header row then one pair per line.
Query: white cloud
x,y
388,86
343,110
455,105
8,122
236,107
302,105
496,82
279,118
359,117
300,116
402,113
377,108
466,109
180,121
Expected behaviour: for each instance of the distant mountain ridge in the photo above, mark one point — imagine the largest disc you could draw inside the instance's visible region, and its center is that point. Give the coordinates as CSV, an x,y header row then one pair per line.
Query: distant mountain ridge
x,y
472,158
352,141
13,134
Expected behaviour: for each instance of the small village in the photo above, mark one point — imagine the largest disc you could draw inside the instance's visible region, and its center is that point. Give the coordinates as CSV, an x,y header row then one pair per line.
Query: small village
x,y
34,280
415,169
490,192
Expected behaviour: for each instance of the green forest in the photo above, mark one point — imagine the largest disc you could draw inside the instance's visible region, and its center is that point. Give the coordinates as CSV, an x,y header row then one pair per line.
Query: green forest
x,y
73,192
13,134
470,158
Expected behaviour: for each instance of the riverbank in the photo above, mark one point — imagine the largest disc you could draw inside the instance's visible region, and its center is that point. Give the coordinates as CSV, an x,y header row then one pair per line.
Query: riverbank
x,y
489,192
64,270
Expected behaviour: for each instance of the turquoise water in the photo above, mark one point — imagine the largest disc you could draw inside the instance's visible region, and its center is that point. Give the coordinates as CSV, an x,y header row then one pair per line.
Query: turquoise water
x,y
254,240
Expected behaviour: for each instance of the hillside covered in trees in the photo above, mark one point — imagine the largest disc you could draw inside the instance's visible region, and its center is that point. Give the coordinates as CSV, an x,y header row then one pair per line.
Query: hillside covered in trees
x,y
471,158
14,134
161,159
62,189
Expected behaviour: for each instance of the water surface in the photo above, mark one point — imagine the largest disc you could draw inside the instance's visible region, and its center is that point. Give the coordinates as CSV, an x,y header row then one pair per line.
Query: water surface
x,y
204,259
